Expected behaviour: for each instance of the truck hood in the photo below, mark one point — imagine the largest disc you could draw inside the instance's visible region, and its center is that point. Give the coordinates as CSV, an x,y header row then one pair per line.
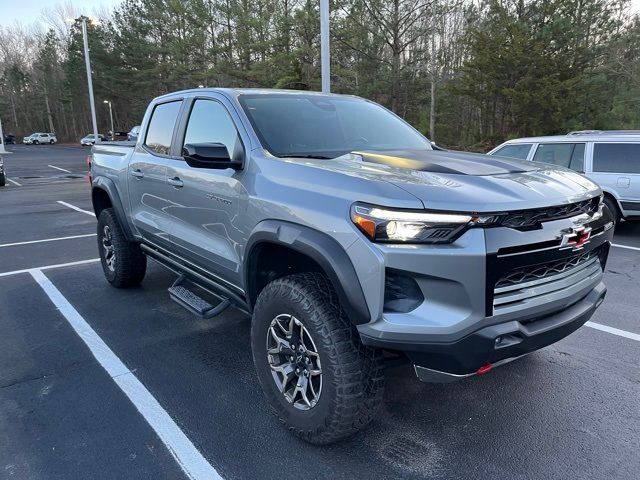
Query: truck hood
x,y
447,180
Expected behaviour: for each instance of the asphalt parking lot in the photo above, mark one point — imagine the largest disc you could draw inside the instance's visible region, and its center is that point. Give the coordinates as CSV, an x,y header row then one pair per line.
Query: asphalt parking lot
x,y
569,411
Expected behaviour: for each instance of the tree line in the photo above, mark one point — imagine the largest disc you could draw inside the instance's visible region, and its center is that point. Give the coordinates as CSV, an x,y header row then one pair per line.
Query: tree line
x,y
467,73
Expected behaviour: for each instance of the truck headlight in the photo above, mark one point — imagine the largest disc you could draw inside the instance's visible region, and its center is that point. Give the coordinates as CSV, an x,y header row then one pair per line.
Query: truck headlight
x,y
382,224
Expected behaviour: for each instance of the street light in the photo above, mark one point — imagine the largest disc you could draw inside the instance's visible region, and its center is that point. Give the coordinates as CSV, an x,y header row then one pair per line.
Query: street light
x,y
111,117
89,80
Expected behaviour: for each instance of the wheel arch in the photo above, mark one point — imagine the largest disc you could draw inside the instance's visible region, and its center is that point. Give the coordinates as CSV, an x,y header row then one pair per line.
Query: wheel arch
x,y
105,195
610,194
305,247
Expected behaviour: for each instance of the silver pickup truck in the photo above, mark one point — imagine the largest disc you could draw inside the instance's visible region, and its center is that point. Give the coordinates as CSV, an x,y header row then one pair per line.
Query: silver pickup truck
x,y
350,241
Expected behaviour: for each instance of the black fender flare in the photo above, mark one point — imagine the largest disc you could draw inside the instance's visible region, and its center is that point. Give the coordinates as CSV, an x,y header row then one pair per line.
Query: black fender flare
x,y
321,248
108,186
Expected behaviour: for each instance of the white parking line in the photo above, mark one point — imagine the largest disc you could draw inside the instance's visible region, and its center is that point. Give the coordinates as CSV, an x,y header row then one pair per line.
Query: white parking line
x,y
58,168
625,246
614,331
14,182
49,267
183,451
77,209
47,240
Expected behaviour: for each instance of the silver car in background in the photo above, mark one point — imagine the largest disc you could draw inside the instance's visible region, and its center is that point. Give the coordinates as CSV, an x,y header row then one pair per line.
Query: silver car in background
x,y
90,140
609,158
40,138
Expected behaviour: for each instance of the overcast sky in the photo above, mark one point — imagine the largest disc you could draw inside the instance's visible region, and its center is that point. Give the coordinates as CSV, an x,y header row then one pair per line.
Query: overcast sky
x,y
29,11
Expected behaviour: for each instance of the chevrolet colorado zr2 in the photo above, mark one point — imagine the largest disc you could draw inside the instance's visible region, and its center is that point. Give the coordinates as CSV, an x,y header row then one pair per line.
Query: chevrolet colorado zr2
x,y
350,241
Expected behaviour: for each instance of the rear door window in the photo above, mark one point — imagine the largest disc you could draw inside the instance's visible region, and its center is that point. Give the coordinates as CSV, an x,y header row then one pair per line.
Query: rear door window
x,y
161,126
568,155
616,157
520,151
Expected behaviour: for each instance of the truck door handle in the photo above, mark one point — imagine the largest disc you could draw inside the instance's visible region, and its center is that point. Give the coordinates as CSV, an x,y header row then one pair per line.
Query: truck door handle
x,y
176,182
137,173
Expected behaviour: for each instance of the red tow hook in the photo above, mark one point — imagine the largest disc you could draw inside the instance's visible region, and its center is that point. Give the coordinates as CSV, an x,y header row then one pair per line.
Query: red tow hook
x,y
484,368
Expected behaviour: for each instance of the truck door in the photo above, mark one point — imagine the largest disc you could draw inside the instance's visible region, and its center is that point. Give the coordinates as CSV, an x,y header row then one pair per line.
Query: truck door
x,y
147,175
208,204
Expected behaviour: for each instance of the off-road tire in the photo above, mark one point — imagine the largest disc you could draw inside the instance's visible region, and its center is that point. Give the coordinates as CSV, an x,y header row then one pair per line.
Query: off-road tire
x,y
611,204
130,263
353,377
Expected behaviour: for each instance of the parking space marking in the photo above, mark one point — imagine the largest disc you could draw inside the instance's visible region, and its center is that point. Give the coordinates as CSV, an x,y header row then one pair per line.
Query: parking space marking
x,y
614,331
77,209
49,267
14,182
625,246
47,240
58,168
194,465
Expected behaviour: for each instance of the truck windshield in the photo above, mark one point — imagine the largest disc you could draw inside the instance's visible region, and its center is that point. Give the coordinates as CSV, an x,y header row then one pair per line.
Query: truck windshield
x,y
322,126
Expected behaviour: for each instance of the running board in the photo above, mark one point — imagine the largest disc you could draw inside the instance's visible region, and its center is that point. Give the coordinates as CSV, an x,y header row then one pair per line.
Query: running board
x,y
194,303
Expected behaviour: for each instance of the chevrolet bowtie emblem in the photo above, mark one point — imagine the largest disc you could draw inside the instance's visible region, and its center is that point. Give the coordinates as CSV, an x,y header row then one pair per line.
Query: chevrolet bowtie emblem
x,y
575,238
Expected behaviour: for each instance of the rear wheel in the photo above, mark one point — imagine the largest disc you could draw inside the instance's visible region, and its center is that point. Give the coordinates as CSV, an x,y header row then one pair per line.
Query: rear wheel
x,y
3,179
322,383
123,263
612,205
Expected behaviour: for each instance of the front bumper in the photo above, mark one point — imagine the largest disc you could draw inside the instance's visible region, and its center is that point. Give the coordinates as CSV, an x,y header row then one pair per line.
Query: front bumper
x,y
471,316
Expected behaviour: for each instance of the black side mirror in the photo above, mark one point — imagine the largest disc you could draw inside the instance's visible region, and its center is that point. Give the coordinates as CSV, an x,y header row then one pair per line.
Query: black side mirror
x,y
209,155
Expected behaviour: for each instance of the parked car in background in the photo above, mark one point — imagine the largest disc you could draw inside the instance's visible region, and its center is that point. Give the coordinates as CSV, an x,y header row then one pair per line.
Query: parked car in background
x,y
9,138
119,136
40,138
132,136
609,158
90,139
3,175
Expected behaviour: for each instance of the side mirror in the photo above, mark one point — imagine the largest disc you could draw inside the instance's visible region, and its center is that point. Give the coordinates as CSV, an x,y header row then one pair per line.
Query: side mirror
x,y
209,155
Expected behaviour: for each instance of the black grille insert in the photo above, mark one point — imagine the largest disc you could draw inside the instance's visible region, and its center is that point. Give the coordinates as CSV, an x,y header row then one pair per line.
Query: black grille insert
x,y
541,271
524,219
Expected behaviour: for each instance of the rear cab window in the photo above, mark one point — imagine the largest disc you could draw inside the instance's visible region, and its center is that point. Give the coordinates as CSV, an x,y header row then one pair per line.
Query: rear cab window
x,y
517,150
568,155
161,127
616,158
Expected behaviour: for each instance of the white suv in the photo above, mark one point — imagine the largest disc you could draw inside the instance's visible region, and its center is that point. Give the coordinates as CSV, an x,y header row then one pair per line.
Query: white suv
x,y
609,158
38,138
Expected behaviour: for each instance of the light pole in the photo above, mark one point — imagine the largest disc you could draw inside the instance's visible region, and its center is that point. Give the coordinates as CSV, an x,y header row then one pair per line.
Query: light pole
x,y
325,68
111,117
89,80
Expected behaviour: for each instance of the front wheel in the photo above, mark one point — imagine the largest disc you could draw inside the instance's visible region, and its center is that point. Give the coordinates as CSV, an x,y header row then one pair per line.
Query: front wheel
x,y
51,142
612,205
3,179
36,142
123,263
322,383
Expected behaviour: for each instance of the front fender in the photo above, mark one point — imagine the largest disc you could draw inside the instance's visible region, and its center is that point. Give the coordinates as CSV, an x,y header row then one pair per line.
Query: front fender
x,y
321,248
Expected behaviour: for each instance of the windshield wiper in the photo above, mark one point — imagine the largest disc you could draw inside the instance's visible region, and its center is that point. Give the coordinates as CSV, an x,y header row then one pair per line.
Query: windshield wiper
x,y
304,155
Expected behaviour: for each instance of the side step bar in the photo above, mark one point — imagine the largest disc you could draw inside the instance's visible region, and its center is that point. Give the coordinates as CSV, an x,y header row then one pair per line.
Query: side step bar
x,y
192,302
208,284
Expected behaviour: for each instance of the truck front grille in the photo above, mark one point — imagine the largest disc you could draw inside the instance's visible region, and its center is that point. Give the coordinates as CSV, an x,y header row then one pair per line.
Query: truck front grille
x,y
523,219
538,283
